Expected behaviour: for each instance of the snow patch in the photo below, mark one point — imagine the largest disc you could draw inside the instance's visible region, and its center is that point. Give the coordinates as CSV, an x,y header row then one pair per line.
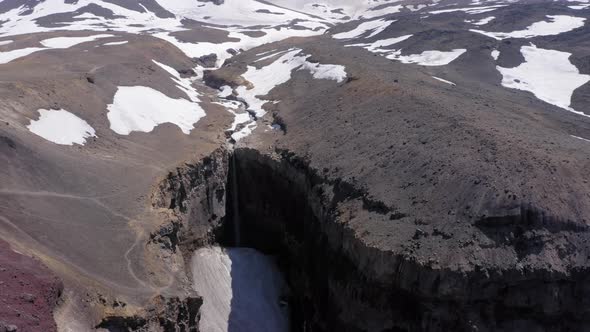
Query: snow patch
x,y
557,24
8,56
428,58
376,26
495,54
243,282
116,43
67,42
140,108
443,80
482,21
264,79
548,74
61,127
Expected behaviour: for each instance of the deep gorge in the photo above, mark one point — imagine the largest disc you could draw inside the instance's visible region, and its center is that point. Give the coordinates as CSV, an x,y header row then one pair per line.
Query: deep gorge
x,y
338,283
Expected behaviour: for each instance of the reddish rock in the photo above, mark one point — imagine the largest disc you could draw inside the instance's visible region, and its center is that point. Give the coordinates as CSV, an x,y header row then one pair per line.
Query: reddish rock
x,y
28,292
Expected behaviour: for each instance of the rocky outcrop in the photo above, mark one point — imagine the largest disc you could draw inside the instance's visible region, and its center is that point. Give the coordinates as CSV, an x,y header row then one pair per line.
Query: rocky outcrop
x,y
195,196
29,293
162,314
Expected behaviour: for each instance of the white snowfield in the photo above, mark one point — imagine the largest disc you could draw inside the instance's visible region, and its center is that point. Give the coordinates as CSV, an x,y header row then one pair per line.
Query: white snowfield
x,y
8,56
242,290
579,7
67,42
428,58
51,43
337,10
61,127
548,74
376,26
245,42
140,108
555,25
5,42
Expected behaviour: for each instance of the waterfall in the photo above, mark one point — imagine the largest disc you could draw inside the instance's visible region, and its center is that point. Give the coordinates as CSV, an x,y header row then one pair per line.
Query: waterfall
x,y
234,198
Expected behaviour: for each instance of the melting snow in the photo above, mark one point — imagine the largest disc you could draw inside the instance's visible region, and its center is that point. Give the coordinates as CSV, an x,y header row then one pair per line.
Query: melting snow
x,y
581,138
67,42
483,21
5,42
241,288
376,27
6,57
495,54
51,43
279,72
115,43
428,58
61,127
579,7
184,84
443,80
377,46
557,24
548,74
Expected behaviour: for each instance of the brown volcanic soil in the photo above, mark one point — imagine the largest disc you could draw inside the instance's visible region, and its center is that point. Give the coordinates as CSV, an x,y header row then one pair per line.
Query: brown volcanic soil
x,y
85,210
29,291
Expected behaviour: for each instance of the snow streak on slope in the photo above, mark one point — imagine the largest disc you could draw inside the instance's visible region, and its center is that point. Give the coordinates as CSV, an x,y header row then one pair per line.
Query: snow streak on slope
x,y
482,21
241,288
548,74
376,27
61,127
66,42
262,80
378,46
557,24
52,43
428,58
278,72
443,80
468,10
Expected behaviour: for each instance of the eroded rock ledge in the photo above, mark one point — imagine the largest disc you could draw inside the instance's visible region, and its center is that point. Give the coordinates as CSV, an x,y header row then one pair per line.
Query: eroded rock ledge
x,y
341,281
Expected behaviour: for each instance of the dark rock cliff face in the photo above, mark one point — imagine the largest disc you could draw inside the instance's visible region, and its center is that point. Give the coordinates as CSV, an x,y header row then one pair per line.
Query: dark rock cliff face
x,y
195,195
341,283
277,203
